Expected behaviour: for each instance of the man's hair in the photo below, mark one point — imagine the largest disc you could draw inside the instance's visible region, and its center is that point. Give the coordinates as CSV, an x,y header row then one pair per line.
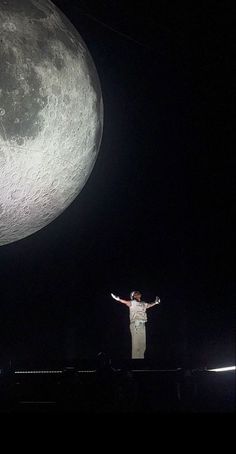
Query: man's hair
x,y
133,293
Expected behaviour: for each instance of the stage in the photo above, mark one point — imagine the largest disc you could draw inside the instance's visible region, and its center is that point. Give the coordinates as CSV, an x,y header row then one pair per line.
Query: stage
x,y
133,386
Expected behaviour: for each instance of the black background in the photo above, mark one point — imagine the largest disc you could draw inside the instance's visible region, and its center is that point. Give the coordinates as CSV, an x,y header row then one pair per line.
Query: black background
x,y
156,212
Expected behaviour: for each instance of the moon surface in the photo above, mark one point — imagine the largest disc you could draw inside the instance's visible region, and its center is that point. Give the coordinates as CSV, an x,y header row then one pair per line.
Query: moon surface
x,y
51,116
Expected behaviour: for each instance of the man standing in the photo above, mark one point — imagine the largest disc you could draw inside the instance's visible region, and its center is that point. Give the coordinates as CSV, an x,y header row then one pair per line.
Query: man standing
x,y
138,318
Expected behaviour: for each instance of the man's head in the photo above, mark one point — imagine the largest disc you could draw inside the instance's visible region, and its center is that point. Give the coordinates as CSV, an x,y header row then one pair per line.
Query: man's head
x,y
135,295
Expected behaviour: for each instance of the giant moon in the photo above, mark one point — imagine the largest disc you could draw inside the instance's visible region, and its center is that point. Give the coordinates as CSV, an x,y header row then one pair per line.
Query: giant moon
x,y
51,116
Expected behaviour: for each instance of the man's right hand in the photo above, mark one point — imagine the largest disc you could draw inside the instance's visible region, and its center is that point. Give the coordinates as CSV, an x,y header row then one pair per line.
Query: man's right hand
x,y
117,298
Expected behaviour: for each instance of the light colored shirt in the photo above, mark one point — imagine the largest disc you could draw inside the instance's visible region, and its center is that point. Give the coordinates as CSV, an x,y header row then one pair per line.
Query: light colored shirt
x,y
137,311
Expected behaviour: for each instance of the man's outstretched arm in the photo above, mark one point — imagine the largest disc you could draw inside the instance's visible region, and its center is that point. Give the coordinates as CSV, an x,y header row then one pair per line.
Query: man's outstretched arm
x,y
157,301
117,298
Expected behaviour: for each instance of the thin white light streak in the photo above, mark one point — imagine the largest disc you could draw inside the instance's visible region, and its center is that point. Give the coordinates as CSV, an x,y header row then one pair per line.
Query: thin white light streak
x,y
38,372
222,369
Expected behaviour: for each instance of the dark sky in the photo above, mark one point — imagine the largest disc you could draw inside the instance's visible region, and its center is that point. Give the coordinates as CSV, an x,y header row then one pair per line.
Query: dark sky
x,y
156,212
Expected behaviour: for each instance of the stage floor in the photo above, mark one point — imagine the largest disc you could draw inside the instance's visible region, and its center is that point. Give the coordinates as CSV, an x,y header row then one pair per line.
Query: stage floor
x,y
135,387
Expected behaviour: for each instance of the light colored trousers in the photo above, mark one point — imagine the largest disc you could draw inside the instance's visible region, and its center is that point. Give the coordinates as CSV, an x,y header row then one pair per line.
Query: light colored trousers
x,y
138,335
